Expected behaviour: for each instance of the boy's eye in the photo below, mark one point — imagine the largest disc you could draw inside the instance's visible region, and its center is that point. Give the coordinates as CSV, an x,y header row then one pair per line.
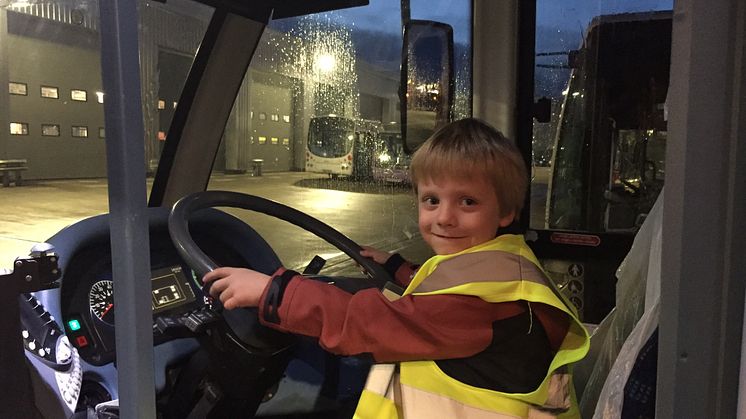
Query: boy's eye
x,y
430,200
468,202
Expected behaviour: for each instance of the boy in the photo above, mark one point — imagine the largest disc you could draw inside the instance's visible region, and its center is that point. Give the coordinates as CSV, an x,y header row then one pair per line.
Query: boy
x,y
479,331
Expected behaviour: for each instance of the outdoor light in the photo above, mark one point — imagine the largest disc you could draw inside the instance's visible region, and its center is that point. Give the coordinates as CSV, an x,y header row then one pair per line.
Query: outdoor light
x,y
325,63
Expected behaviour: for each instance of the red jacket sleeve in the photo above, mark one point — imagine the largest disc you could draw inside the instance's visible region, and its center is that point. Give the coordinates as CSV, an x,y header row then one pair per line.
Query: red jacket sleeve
x,y
410,328
405,274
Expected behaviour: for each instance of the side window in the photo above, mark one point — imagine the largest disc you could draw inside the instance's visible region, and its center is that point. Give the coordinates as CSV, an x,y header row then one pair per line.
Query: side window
x,y
598,165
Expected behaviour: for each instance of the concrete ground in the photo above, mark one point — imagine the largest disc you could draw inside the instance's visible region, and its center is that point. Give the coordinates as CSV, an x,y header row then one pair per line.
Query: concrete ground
x,y
381,215
369,213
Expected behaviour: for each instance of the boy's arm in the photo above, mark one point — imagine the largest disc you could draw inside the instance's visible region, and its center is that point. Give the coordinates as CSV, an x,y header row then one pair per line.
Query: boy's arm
x,y
413,327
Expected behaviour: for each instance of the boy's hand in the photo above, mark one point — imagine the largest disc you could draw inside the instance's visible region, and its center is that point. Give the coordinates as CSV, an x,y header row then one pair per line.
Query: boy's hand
x,y
236,287
379,256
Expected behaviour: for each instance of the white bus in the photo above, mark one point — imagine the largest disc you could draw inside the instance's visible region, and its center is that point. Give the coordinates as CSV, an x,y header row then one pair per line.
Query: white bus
x,y
341,146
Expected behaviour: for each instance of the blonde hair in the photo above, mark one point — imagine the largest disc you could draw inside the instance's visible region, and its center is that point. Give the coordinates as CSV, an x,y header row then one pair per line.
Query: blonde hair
x,y
470,147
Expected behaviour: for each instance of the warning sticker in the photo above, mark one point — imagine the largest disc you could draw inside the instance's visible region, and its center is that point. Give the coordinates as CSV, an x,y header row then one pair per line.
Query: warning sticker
x,y
576,239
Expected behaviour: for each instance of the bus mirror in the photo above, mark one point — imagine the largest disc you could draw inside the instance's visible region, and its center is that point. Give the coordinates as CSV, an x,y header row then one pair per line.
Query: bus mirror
x,y
426,85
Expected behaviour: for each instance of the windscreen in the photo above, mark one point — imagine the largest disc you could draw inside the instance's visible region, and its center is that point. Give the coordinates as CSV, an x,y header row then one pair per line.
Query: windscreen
x,y
313,82
315,127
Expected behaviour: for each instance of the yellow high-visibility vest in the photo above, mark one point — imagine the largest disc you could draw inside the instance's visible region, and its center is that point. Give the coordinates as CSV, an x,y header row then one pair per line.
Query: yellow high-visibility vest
x,y
500,270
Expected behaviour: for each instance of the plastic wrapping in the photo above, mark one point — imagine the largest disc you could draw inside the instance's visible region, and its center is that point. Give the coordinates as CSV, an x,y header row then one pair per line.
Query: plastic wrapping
x,y
612,354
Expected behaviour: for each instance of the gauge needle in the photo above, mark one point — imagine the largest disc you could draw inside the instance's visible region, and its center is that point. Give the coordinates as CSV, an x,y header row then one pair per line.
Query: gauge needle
x,y
109,307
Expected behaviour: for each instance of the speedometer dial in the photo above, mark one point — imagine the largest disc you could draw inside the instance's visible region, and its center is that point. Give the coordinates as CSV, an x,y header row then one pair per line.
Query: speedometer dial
x,y
101,301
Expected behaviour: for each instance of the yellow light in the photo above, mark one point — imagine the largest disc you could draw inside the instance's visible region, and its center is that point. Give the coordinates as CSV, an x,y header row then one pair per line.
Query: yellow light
x,y
326,63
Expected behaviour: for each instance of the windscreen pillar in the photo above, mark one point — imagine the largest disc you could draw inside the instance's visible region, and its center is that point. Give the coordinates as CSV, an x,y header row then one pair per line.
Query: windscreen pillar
x,y
495,63
211,88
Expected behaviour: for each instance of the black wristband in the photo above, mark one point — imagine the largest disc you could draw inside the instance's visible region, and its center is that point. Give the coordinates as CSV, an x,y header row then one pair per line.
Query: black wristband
x,y
393,264
274,295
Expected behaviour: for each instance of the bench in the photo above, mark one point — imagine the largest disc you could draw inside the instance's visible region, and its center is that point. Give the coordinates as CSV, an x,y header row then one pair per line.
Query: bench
x,y
14,167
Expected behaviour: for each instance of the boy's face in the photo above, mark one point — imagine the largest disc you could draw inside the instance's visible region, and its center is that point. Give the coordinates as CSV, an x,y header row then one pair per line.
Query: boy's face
x,y
455,214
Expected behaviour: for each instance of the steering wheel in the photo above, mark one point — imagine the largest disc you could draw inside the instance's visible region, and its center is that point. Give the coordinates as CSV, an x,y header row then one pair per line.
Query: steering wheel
x,y
178,226
263,351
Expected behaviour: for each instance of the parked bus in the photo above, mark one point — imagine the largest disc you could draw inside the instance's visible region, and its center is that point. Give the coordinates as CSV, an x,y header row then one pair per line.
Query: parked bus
x,y
609,152
341,146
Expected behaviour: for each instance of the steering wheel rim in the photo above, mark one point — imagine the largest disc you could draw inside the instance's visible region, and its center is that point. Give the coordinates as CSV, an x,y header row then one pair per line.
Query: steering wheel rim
x,y
178,227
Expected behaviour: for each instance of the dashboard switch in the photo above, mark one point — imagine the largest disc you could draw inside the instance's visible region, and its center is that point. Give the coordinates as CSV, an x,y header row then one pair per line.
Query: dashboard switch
x,y
81,341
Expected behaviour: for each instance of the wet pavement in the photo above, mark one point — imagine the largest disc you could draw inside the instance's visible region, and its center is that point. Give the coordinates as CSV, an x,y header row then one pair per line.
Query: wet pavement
x,y
382,215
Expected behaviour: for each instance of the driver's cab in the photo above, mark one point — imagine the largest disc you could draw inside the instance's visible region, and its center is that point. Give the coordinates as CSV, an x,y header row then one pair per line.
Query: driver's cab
x,y
227,93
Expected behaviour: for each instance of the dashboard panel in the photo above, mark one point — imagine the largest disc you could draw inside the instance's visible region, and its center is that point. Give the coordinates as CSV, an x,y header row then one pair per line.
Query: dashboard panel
x,y
89,317
84,306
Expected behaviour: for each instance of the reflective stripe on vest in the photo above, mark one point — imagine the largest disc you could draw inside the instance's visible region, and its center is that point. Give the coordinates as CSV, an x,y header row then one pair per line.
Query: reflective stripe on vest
x,y
503,269
385,397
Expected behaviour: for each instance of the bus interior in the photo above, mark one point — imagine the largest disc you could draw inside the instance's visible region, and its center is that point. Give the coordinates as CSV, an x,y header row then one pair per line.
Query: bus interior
x,y
114,199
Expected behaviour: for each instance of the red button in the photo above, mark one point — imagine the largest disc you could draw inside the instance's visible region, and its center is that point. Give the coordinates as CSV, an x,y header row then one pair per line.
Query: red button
x,y
81,341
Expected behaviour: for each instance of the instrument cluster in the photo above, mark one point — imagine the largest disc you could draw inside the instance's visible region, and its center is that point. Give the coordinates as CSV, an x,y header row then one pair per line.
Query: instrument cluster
x,y
90,321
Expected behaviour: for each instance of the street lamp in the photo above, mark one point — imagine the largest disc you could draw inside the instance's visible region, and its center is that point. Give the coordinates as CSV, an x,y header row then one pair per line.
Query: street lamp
x,y
325,62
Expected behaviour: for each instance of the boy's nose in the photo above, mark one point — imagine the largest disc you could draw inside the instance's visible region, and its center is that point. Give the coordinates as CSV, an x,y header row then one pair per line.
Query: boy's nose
x,y
446,216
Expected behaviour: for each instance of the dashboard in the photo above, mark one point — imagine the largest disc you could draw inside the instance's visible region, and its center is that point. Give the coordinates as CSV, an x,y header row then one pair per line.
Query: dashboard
x,y
84,308
83,305
89,311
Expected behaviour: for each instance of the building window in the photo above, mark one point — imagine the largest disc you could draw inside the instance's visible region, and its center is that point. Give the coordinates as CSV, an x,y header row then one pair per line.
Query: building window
x,y
100,97
15,88
50,130
79,95
275,117
262,116
80,131
18,128
262,140
286,141
275,140
286,118
50,92
101,132
161,104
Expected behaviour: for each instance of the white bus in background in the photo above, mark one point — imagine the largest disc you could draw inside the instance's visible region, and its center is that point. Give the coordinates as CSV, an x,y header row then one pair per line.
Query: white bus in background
x,y
343,146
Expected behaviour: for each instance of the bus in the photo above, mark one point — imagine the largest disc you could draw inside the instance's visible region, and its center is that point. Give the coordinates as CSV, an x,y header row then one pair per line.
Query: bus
x,y
113,318
609,149
341,146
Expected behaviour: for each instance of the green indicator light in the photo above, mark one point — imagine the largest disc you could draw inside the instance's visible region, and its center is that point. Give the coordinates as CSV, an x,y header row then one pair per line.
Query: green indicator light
x,y
73,325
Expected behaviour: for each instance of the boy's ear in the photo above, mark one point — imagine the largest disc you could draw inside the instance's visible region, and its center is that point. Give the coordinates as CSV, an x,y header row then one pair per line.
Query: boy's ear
x,y
507,220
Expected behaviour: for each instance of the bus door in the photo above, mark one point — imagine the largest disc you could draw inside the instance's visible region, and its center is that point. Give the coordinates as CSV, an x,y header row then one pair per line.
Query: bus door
x,y
390,161
367,133
607,136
